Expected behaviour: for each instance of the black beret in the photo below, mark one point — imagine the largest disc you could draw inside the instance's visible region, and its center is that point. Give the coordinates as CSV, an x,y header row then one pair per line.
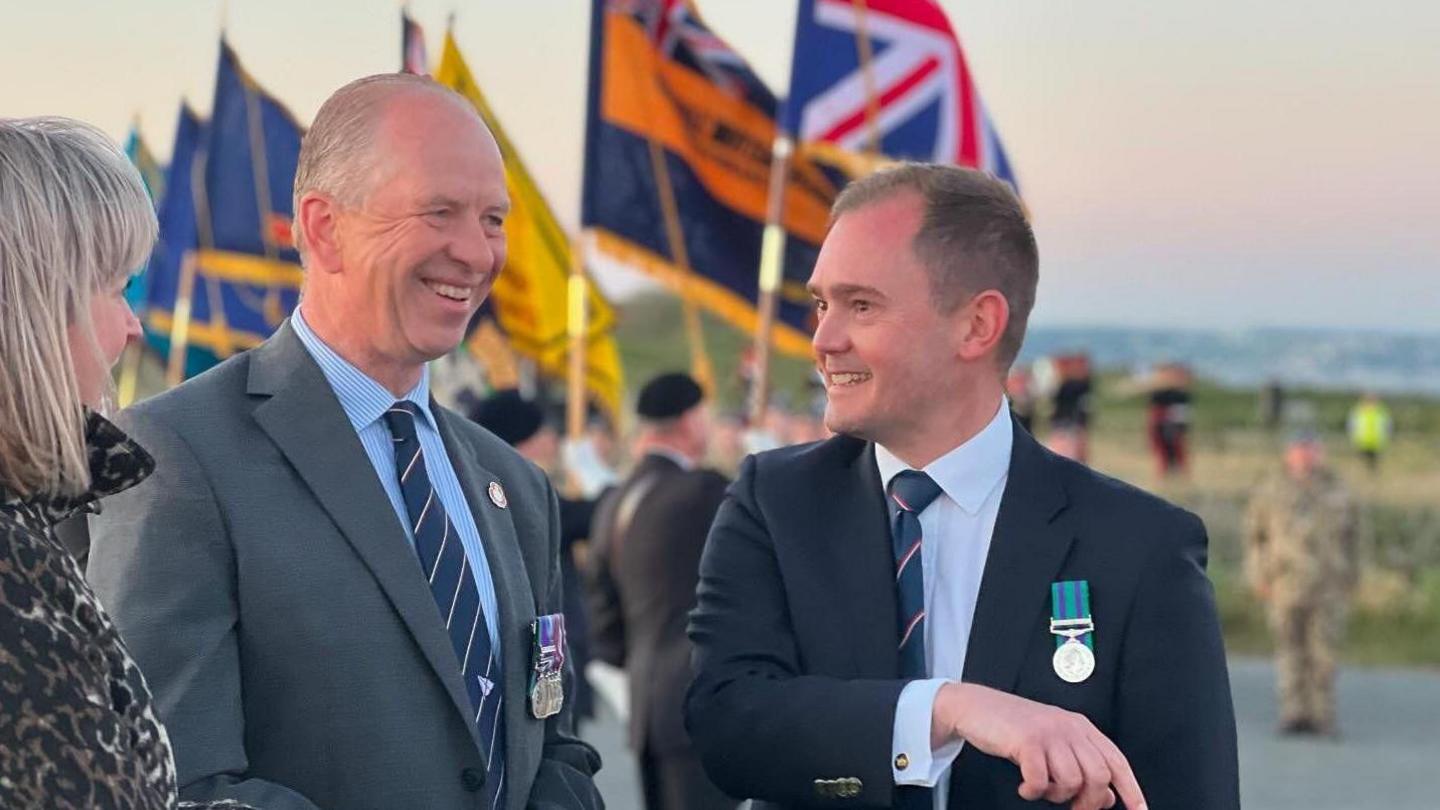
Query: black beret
x,y
668,396
509,415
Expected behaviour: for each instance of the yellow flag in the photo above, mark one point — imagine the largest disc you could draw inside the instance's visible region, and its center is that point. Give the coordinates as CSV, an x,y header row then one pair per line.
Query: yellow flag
x,y
530,295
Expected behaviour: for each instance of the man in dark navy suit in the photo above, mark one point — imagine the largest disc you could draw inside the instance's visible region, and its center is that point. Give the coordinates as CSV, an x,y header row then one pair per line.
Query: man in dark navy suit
x,y
930,610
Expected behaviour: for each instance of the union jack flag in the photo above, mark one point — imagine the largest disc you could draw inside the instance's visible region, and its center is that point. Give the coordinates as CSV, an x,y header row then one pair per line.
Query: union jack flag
x,y
914,97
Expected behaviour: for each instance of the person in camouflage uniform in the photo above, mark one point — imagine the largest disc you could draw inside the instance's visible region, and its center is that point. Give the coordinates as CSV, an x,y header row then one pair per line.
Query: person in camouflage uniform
x,y
1301,558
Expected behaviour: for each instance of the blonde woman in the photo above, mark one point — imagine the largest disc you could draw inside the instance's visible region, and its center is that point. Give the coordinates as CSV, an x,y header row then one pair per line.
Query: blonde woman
x,y
78,728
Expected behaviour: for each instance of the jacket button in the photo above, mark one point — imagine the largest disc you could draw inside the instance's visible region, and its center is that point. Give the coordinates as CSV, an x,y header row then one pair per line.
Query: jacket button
x,y
472,779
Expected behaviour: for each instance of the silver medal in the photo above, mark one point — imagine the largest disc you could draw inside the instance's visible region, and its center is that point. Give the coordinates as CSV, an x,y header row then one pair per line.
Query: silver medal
x,y
547,696
1073,661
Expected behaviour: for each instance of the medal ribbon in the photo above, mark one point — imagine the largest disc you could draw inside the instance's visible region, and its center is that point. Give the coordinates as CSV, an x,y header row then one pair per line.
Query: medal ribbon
x,y
549,644
1070,600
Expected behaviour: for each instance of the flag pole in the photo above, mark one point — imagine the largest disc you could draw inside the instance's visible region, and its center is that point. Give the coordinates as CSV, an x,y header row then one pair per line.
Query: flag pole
x,y
129,373
700,364
576,325
772,260
867,73
180,325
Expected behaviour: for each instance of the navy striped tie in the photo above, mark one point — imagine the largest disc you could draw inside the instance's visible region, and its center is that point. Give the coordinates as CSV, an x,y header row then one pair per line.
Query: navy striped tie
x,y
910,493
452,583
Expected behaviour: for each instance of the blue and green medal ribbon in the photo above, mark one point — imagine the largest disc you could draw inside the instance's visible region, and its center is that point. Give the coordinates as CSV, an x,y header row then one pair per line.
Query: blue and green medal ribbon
x,y
1071,600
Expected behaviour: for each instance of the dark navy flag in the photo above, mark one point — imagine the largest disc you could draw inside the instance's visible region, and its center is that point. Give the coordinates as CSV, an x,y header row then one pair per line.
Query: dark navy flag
x,y
678,138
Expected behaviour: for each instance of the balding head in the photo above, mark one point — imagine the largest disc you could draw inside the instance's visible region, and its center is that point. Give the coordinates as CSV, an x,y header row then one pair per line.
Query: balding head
x,y
338,156
400,208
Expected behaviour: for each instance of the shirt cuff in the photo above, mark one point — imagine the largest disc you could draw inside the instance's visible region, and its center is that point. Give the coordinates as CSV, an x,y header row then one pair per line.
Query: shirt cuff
x,y
912,762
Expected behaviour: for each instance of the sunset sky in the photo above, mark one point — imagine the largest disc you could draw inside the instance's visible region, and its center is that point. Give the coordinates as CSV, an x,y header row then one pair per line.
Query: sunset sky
x,y
1223,164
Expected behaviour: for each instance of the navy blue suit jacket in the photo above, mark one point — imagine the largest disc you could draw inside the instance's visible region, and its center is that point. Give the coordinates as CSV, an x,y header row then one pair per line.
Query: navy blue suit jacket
x,y
795,632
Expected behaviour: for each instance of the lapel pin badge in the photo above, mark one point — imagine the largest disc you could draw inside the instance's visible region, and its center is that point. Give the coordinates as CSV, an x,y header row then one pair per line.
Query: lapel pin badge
x,y
497,495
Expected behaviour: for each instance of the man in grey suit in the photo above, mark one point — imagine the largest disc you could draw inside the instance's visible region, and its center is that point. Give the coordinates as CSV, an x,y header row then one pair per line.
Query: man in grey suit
x,y
331,581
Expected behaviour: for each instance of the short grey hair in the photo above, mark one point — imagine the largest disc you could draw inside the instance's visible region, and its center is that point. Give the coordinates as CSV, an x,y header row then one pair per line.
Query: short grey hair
x,y
75,219
337,156
974,236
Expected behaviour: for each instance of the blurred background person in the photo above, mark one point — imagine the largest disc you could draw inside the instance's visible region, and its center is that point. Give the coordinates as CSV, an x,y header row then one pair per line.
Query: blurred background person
x,y
521,423
78,725
1070,411
1021,392
727,440
1302,561
649,532
1271,404
1168,418
1370,427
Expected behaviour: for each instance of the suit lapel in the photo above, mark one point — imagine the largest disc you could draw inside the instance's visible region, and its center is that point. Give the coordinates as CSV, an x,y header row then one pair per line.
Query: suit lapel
x,y
512,592
851,541
305,421
1026,551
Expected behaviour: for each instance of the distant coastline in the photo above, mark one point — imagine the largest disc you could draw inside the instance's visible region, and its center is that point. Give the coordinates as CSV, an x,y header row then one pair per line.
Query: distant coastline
x,y
1309,358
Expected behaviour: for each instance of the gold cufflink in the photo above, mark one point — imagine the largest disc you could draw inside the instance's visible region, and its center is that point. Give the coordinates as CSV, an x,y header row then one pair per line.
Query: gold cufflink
x,y
902,762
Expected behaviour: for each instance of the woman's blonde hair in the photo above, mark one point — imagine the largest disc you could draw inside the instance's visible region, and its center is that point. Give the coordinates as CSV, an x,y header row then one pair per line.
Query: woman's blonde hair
x,y
74,219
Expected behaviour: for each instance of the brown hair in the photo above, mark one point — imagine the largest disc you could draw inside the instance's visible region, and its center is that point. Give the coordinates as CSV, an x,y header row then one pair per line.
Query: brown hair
x,y
974,236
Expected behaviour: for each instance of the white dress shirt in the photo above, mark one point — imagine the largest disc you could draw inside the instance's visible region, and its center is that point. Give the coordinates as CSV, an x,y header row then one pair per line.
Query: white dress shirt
x,y
955,529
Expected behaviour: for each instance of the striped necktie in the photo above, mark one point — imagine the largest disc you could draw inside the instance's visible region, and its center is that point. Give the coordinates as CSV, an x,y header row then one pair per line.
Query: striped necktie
x,y
452,583
910,492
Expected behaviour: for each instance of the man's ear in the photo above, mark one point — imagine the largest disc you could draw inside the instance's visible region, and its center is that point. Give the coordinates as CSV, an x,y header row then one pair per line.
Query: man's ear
x,y
980,325
318,216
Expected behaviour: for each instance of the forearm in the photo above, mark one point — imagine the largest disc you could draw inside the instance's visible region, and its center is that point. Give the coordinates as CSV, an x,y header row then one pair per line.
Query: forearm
x,y
257,793
766,737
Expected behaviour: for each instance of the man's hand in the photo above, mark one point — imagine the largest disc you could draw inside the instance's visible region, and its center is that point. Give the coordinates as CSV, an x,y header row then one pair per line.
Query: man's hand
x,y
1062,756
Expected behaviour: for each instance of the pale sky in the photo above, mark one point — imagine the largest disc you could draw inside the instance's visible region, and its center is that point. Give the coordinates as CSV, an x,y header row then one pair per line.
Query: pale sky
x,y
1200,164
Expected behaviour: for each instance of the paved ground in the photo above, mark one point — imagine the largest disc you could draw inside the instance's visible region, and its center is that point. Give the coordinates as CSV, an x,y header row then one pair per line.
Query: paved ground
x,y
1387,756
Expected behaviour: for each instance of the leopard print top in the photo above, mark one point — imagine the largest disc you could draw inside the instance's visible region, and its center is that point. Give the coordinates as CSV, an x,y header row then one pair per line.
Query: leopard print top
x,y
77,724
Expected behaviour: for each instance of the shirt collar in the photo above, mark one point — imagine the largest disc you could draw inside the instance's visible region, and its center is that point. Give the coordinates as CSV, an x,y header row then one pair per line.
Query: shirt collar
x,y
362,398
970,472
681,461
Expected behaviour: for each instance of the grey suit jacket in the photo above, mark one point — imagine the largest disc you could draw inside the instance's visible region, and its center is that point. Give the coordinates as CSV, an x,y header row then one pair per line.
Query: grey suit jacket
x,y
268,591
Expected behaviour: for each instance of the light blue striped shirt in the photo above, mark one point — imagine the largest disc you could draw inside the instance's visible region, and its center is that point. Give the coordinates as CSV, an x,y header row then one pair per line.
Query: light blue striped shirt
x,y
365,402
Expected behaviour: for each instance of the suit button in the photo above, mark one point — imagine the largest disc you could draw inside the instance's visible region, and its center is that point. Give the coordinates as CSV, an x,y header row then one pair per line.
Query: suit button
x,y
902,762
472,779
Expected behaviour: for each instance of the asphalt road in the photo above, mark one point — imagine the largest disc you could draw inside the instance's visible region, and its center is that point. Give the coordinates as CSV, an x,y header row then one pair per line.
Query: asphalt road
x,y
1387,756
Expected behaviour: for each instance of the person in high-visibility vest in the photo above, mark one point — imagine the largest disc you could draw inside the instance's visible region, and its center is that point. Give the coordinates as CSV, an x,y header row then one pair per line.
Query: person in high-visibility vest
x,y
1370,429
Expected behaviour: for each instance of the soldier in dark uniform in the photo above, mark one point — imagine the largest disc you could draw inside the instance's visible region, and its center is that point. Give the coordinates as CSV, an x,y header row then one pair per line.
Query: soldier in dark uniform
x,y
649,532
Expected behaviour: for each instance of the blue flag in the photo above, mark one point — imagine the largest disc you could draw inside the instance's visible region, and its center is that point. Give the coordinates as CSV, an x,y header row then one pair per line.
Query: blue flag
x,y
152,174
177,241
225,224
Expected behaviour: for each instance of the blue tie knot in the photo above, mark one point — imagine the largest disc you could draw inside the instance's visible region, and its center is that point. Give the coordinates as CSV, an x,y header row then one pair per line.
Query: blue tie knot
x,y
400,418
911,491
